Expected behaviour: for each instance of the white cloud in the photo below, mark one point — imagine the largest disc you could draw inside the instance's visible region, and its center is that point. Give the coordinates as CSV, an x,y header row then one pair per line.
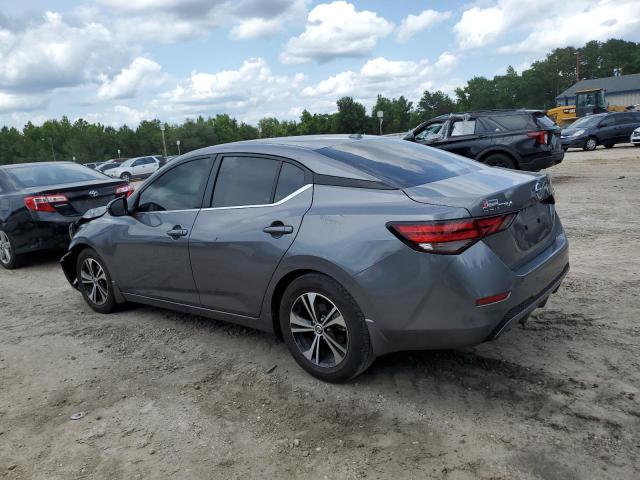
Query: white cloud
x,y
255,28
247,92
390,78
11,102
336,30
125,84
478,27
413,24
52,54
571,22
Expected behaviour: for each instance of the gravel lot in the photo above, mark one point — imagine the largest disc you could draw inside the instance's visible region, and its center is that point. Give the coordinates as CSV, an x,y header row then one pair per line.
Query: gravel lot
x,y
168,395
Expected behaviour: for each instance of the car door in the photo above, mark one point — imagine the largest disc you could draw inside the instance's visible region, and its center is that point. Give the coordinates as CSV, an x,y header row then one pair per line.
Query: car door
x,y
460,137
236,244
150,165
152,254
607,131
626,126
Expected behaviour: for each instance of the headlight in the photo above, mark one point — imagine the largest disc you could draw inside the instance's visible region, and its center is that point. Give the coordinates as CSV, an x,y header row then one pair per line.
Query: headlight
x,y
577,133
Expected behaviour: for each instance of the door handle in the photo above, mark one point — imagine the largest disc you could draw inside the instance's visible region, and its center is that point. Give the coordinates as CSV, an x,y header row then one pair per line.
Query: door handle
x,y
177,232
277,229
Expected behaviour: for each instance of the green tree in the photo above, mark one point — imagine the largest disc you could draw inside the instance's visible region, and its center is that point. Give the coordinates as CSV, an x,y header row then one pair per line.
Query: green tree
x,y
351,116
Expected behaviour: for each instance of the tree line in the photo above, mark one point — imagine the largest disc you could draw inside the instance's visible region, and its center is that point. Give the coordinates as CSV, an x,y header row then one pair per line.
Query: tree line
x,y
535,87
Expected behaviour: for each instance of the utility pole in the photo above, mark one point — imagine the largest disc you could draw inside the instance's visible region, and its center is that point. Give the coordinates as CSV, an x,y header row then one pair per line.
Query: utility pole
x,y
578,66
164,143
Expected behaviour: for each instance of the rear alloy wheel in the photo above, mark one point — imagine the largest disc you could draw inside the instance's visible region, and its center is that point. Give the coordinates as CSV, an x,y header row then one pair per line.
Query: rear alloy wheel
x,y
94,282
590,144
8,258
500,160
324,329
126,177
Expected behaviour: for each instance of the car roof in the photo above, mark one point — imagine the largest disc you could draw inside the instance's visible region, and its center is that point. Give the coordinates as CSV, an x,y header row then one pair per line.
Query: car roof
x,y
304,149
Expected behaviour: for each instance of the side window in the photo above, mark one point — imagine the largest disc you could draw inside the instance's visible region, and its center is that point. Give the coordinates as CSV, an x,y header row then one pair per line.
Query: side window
x,y
180,188
624,119
516,122
463,127
245,181
291,179
137,163
607,122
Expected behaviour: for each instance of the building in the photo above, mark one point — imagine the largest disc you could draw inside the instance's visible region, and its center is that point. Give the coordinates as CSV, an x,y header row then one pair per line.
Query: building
x,y
623,90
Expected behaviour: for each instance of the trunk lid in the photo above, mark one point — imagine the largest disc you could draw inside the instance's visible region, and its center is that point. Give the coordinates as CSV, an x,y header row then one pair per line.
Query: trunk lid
x,y
494,191
82,196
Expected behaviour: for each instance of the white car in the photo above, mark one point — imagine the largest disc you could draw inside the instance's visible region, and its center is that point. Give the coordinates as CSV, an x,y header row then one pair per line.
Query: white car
x,y
139,167
635,137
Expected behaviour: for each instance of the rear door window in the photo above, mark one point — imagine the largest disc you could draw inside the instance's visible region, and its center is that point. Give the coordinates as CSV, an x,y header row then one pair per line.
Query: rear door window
x,y
463,127
291,179
624,119
245,181
180,188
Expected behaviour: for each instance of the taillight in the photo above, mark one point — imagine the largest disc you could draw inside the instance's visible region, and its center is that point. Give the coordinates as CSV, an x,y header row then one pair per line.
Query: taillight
x,y
541,137
449,236
44,203
126,190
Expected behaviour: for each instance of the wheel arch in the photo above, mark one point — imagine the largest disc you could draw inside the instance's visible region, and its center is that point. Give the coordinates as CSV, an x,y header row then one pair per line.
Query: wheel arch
x,y
294,268
502,151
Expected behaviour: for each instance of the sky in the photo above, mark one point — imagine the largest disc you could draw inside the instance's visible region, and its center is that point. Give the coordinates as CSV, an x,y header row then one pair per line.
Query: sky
x,y
122,61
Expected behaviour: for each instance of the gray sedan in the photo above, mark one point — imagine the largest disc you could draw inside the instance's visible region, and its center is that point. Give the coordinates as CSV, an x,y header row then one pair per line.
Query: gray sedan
x,y
346,247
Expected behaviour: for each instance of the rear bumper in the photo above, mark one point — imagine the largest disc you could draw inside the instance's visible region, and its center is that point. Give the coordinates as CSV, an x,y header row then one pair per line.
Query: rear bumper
x,y
437,309
541,162
42,235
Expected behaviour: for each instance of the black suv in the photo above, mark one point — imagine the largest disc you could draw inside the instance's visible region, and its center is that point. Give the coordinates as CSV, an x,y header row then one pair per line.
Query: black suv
x,y
518,139
602,129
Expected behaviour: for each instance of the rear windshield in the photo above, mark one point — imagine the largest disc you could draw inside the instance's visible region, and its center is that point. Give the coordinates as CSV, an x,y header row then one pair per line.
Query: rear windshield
x,y
400,163
48,174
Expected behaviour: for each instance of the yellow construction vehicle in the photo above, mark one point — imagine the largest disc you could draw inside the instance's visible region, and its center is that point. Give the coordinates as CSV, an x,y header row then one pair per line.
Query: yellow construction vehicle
x,y
587,102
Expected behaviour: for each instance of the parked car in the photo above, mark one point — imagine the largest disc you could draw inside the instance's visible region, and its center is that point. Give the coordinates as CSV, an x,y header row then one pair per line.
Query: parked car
x,y
605,129
38,202
516,139
401,247
635,137
93,165
139,167
110,164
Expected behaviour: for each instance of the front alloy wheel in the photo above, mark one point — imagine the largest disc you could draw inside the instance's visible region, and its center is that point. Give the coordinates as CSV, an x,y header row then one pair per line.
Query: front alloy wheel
x,y
94,282
590,144
319,330
126,177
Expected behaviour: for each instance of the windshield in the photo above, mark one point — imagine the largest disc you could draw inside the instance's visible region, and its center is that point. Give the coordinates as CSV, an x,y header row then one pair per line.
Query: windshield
x,y
586,122
400,163
49,174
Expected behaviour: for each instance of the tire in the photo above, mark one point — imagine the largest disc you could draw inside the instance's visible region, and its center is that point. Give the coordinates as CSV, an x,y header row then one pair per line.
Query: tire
x,y
344,347
94,282
126,176
590,144
636,144
608,145
8,257
500,160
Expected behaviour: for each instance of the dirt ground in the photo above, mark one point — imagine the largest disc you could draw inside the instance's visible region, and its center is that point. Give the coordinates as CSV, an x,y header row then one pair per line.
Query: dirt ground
x,y
169,395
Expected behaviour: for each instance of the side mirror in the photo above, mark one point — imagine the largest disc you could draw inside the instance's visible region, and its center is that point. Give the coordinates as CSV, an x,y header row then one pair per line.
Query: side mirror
x,y
118,207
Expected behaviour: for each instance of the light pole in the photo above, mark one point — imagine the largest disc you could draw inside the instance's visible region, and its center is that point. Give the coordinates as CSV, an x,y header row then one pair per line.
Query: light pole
x,y
178,144
380,114
164,143
53,154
